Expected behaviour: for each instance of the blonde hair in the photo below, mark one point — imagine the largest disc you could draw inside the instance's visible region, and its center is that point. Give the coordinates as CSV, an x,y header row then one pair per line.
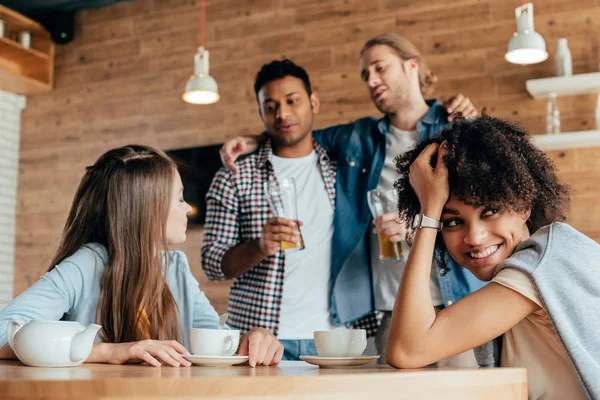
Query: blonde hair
x,y
405,50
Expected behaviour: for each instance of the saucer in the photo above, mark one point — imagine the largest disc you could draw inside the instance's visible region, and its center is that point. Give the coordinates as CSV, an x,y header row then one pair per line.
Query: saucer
x,y
215,361
339,362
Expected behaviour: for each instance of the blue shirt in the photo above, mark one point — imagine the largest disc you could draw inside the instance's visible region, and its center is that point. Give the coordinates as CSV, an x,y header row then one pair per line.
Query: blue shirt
x,y
360,148
70,292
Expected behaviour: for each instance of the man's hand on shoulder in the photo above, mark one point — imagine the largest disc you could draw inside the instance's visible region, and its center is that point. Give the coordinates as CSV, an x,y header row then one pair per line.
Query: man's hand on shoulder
x,y
460,103
236,147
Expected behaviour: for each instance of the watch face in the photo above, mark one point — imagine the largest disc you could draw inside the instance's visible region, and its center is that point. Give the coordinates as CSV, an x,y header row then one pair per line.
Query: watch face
x,y
417,221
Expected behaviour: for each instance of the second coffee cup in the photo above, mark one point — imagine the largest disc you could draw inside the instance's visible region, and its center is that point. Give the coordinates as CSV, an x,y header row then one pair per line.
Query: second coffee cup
x,y
341,342
213,342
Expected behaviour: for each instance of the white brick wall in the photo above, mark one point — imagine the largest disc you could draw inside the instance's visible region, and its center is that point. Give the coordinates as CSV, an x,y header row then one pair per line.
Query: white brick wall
x,y
11,106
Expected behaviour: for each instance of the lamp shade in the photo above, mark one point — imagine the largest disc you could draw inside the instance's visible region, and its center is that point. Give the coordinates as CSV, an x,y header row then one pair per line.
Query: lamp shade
x,y
201,88
526,46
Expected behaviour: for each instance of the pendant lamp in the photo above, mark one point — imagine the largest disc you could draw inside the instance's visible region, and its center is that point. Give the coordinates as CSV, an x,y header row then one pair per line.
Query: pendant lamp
x,y
201,88
526,46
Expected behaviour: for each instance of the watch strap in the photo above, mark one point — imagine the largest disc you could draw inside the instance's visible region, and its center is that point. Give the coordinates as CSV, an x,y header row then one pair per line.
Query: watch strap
x,y
423,221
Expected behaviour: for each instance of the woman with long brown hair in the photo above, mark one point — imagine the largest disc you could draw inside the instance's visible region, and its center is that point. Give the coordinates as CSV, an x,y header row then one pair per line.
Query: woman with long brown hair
x,y
113,267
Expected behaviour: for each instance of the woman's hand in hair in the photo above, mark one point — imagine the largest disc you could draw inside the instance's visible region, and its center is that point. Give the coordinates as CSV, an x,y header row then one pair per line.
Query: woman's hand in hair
x,y
153,352
261,347
431,183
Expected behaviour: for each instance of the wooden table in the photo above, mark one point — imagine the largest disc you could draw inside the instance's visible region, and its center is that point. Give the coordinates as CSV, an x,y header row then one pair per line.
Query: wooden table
x,y
290,380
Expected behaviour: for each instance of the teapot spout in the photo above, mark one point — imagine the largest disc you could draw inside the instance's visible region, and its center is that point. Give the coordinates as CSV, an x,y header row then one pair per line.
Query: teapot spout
x,y
82,343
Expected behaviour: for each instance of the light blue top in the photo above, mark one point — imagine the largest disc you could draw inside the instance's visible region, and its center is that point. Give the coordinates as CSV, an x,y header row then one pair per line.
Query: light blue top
x,y
70,292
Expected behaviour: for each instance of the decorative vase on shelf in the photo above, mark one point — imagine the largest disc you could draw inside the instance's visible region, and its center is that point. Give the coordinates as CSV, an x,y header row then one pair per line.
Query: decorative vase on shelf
x,y
552,116
564,64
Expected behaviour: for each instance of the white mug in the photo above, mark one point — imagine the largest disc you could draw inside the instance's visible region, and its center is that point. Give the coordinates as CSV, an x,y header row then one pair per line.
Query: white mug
x,y
213,342
341,342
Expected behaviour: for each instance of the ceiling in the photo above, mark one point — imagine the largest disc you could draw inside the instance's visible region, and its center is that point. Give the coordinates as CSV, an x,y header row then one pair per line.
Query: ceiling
x,y
34,8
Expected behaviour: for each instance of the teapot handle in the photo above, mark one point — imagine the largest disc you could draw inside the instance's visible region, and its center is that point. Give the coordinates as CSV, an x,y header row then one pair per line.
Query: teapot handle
x,y
12,329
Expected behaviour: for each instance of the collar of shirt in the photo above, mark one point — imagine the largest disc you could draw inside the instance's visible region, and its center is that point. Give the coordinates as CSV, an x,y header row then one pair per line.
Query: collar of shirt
x,y
266,150
436,115
326,163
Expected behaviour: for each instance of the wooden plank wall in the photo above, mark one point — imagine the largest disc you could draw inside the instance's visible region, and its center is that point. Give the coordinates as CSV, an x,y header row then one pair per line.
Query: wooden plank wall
x,y
120,81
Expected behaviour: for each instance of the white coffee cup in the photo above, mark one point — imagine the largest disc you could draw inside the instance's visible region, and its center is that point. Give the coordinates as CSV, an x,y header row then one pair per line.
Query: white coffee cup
x,y
213,342
341,342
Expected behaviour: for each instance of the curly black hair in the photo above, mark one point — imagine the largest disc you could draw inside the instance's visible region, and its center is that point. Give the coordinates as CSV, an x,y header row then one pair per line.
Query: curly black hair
x,y
278,69
491,162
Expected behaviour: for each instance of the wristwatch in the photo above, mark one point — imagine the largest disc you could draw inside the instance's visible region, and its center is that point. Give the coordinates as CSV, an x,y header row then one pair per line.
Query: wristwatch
x,y
423,221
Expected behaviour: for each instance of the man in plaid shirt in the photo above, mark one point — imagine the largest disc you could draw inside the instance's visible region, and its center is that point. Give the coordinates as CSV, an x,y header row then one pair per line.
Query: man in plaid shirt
x,y
397,78
292,294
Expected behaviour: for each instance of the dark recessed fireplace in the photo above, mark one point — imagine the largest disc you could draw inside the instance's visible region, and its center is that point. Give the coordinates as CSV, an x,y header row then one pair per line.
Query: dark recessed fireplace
x,y
197,167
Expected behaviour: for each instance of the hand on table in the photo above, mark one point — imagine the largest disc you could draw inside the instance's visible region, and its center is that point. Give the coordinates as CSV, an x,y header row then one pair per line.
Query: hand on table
x,y
261,347
153,352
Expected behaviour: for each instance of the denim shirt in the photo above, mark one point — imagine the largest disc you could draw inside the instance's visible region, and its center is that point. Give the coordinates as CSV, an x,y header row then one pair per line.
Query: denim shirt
x,y
360,149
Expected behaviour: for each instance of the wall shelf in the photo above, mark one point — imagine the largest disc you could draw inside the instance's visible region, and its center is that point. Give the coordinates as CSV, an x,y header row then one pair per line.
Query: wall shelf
x,y
25,70
564,85
567,140
13,50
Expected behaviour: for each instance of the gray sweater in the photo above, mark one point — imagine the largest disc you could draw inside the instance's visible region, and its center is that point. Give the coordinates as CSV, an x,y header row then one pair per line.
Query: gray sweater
x,y
564,265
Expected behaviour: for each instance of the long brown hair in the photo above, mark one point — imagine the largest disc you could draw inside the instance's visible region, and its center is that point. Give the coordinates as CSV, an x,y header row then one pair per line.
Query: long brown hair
x,y
123,202
405,50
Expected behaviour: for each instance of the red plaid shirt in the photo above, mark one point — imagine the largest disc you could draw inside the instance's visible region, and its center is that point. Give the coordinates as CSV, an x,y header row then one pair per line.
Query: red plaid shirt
x,y
237,211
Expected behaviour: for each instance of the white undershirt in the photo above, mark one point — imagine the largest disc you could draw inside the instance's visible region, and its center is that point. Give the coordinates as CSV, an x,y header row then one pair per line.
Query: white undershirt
x,y
305,305
387,274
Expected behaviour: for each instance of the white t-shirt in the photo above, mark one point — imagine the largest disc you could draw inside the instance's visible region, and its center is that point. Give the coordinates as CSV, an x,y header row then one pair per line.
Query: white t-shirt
x,y
305,304
387,274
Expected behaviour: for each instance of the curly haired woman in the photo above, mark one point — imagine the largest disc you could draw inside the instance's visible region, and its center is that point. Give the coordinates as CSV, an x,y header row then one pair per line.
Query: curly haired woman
x,y
484,194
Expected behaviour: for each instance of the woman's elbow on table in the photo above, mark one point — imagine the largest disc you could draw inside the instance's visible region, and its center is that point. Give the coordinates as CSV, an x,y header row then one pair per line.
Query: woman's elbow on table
x,y
400,356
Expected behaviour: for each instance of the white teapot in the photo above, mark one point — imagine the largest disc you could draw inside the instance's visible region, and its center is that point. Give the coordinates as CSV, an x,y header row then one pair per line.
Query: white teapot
x,y
51,343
